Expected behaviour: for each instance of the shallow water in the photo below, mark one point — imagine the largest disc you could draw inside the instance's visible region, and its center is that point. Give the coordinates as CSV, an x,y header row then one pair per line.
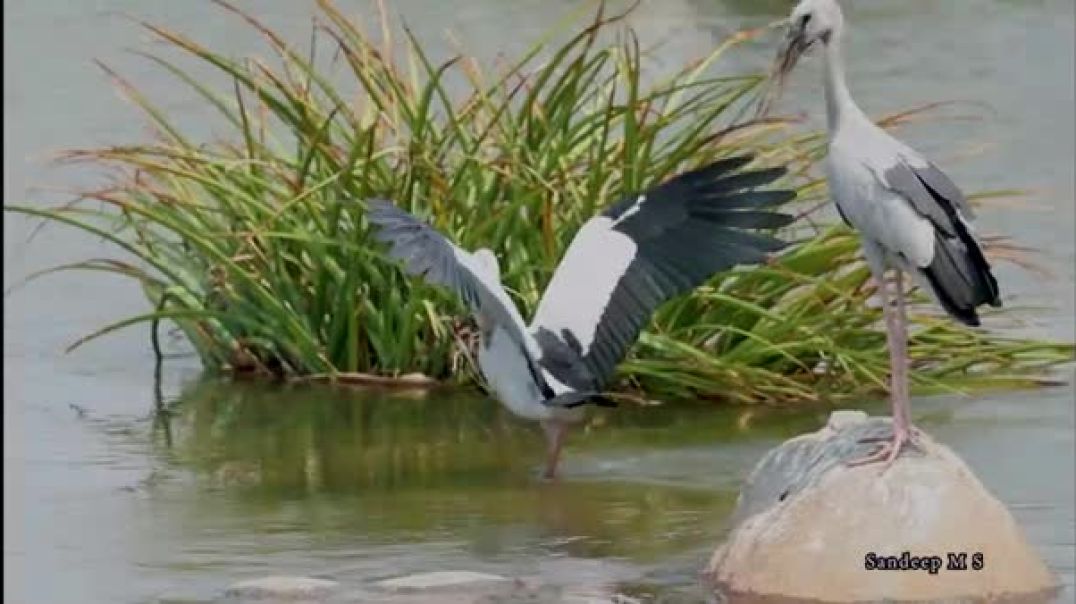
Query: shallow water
x,y
107,501
228,482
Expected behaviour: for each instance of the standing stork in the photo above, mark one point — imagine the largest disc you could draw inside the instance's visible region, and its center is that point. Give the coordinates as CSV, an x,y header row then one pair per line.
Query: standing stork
x,y
910,216
619,268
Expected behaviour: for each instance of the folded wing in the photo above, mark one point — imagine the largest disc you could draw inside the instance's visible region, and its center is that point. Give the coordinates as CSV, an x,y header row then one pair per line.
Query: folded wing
x,y
957,272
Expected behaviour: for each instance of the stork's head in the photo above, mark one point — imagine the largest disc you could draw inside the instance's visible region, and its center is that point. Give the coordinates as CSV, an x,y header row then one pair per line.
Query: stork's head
x,y
812,21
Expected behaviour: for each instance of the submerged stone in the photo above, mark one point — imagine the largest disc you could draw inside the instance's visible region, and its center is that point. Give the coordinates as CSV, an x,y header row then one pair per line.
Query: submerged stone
x,y
282,589
465,587
809,527
440,580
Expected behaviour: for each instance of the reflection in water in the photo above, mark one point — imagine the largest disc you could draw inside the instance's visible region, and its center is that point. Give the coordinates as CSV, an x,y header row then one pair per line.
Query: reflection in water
x,y
306,439
385,468
358,485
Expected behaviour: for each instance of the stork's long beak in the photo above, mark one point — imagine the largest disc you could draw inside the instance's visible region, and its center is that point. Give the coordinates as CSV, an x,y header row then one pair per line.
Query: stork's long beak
x,y
794,44
792,48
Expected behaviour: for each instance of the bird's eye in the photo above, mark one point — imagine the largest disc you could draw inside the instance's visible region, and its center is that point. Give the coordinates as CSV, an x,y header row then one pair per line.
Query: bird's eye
x,y
804,19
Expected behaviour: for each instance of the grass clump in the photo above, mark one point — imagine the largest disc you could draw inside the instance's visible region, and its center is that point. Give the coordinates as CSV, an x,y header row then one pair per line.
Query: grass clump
x,y
256,248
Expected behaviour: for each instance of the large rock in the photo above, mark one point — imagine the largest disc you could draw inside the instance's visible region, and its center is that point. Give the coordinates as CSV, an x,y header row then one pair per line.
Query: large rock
x,y
806,526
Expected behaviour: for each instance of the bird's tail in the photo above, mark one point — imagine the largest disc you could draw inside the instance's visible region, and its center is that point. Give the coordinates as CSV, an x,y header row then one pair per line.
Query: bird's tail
x,y
960,276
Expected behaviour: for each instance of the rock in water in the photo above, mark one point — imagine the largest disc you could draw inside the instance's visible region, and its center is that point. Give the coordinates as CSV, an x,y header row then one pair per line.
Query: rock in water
x,y
282,589
440,580
808,527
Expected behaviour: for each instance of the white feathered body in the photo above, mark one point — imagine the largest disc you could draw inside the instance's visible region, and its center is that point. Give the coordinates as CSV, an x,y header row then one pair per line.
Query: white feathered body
x,y
506,371
893,232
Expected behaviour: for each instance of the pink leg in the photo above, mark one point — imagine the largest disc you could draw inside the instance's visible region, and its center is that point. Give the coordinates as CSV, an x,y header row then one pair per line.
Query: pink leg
x,y
554,432
902,414
897,340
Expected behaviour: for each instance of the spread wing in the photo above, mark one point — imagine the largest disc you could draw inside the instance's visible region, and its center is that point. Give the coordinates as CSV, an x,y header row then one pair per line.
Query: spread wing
x,y
642,251
426,253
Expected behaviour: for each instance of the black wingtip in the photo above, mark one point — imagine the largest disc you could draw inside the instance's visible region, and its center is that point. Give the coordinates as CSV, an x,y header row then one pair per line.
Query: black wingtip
x,y
967,317
571,400
727,164
781,219
602,401
958,303
714,170
743,158
961,277
740,182
776,171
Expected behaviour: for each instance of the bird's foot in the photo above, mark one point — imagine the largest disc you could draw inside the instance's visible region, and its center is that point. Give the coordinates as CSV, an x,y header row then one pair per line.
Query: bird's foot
x,y
889,449
911,438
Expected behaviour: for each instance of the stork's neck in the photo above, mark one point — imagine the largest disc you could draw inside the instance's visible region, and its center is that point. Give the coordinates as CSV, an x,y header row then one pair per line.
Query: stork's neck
x,y
839,103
